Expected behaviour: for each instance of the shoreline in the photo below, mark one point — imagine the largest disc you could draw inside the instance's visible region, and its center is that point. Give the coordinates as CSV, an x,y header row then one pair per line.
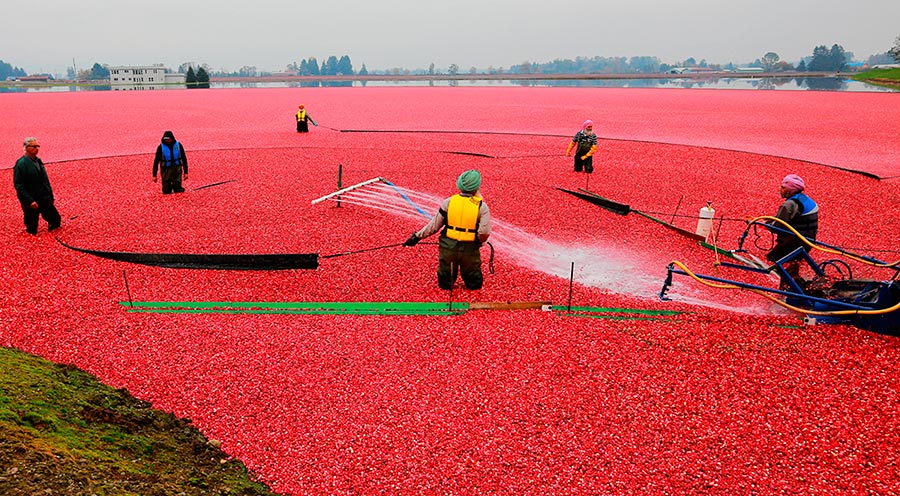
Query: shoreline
x,y
698,76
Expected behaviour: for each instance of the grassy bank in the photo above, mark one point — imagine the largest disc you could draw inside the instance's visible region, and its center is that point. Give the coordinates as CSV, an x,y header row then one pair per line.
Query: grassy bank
x,y
888,78
63,432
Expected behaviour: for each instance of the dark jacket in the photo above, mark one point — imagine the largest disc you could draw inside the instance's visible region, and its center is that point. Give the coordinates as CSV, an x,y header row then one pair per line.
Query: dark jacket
x,y
800,212
160,159
804,218
31,181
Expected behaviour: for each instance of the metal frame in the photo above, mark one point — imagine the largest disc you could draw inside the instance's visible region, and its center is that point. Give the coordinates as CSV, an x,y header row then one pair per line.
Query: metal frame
x,y
869,294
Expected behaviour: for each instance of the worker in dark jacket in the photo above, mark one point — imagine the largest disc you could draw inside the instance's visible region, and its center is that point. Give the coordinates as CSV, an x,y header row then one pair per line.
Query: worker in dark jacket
x,y
465,224
33,189
801,213
171,162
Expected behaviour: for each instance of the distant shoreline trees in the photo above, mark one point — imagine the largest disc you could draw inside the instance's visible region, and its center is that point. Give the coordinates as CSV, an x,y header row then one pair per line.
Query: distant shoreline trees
x,y
98,72
332,66
584,65
895,50
823,59
8,71
199,79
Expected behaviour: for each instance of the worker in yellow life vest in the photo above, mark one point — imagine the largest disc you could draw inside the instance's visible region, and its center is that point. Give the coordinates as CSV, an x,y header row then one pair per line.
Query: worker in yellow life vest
x,y
303,120
465,224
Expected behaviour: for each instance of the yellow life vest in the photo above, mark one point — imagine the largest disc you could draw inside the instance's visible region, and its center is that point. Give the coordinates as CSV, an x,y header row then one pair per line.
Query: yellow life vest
x,y
301,115
462,217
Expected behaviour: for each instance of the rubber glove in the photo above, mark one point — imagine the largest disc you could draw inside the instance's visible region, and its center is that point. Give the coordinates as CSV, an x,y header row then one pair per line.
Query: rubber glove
x,y
413,239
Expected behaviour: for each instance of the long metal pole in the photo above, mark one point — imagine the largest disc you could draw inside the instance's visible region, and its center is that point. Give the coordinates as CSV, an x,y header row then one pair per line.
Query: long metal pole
x,y
676,209
453,269
127,289
340,178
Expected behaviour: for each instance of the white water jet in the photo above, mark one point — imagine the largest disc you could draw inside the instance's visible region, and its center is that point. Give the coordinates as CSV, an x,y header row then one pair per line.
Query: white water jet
x,y
595,266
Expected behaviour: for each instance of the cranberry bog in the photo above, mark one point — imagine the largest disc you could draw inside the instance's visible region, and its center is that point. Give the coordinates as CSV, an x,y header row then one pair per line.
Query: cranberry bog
x,y
565,374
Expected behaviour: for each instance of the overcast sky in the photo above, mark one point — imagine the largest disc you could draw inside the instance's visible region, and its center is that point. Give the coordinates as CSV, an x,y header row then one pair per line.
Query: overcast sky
x,y
46,35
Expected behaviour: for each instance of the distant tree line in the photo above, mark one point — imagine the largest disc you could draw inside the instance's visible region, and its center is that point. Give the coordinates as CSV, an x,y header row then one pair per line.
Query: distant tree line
x,y
895,50
332,66
828,59
98,72
586,65
8,71
881,58
823,59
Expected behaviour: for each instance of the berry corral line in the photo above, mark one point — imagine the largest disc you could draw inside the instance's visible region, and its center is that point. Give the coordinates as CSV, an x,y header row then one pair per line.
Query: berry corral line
x,y
387,308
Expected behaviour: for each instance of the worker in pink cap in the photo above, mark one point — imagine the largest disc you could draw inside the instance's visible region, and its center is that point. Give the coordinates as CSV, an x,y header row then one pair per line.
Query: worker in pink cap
x,y
585,145
801,213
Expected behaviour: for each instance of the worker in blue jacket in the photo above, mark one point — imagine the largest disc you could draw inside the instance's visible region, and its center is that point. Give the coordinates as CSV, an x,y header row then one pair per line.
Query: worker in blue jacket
x,y
171,162
801,213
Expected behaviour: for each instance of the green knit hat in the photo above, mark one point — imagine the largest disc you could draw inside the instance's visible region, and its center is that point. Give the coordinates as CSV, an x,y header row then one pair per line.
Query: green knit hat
x,y
469,181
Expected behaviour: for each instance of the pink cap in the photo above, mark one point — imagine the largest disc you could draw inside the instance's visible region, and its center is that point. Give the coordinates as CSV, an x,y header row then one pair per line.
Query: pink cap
x,y
793,182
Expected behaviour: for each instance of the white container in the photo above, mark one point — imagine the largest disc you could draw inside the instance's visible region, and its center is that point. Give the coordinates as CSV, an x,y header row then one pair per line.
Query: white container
x,y
704,223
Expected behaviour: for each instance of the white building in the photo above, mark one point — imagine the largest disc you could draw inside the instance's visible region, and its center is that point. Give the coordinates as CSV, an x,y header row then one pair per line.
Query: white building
x,y
143,77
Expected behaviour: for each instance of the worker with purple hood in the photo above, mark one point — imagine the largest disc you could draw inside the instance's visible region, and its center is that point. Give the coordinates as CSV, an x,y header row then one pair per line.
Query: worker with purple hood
x,y
584,144
801,213
171,162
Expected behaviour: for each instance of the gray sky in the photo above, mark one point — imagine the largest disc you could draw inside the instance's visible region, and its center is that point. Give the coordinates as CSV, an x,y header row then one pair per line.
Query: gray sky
x,y
45,36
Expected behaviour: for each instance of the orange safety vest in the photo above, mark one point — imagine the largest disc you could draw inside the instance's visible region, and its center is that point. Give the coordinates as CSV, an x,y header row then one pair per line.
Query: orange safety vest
x,y
462,217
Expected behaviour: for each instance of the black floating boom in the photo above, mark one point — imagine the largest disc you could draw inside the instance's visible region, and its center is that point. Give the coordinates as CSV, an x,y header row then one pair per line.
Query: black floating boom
x,y
615,207
214,184
286,261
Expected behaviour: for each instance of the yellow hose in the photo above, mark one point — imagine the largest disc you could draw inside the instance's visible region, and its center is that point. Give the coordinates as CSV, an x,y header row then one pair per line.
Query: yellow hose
x,y
822,248
765,294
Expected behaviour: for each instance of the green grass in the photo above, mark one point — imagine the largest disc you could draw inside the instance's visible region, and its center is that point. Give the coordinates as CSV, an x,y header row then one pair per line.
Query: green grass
x,y
889,78
63,431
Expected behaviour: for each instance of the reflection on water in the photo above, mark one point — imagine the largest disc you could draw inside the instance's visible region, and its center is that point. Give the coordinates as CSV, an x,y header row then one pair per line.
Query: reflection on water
x,y
786,83
819,83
